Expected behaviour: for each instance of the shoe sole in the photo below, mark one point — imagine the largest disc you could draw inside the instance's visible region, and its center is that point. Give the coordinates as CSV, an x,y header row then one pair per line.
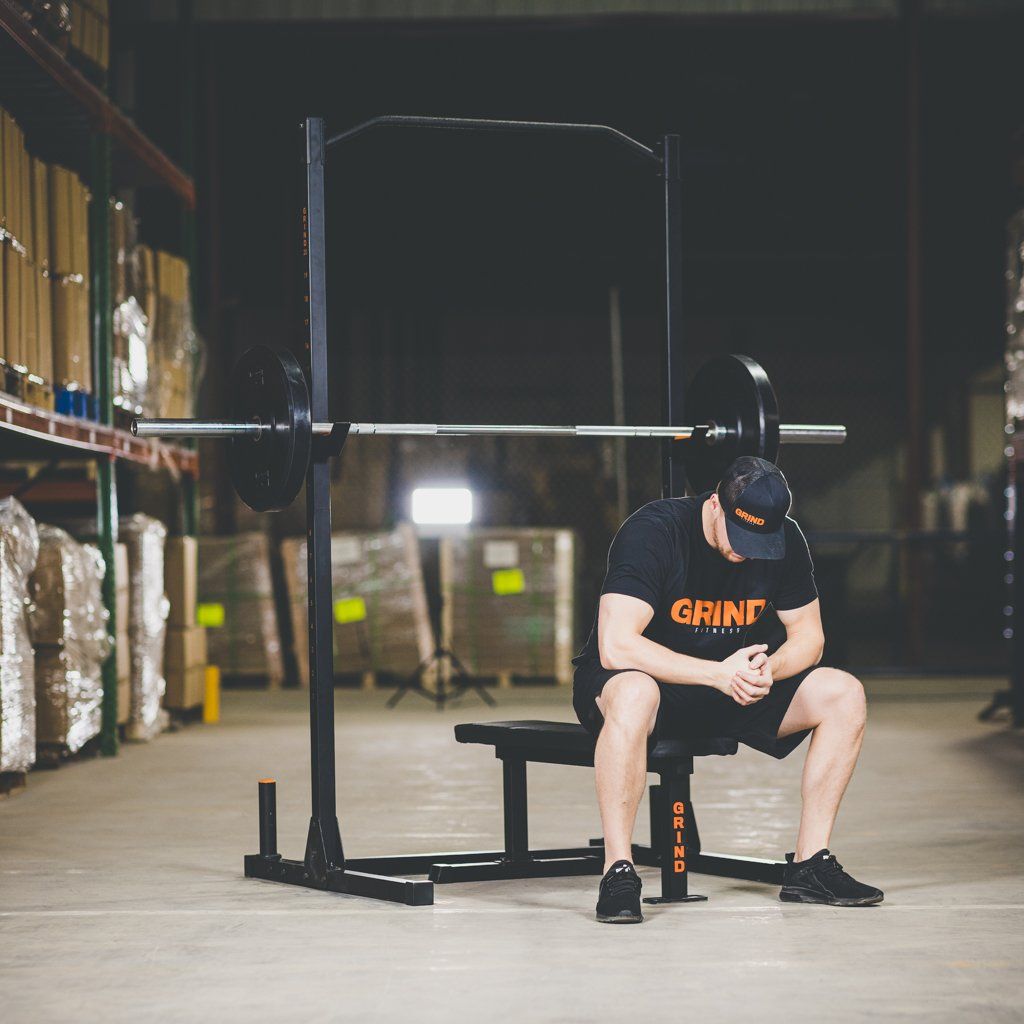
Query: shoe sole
x,y
809,896
620,919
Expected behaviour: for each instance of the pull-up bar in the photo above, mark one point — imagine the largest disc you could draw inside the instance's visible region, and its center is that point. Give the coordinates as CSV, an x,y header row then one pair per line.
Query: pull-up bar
x,y
475,124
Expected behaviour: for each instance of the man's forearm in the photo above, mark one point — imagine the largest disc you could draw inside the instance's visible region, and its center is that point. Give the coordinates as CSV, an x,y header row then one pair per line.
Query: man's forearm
x,y
795,655
662,664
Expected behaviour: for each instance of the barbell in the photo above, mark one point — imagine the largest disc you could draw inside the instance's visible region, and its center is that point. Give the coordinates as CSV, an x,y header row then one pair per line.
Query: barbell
x,y
272,433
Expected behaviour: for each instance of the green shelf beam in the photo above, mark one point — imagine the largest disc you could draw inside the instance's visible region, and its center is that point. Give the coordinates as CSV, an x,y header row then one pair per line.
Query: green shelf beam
x,y
101,314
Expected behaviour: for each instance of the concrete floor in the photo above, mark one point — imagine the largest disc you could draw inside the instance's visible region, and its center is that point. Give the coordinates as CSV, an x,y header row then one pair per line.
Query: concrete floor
x,y
122,898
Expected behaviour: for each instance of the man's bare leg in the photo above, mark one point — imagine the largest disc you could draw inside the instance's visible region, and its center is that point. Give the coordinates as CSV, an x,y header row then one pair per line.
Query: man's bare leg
x,y
830,702
629,703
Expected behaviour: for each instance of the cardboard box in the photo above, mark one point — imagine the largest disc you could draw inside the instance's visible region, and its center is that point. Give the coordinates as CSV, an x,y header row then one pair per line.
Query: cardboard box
x,y
236,600
3,310
509,601
124,700
80,251
181,559
65,288
69,254
185,687
11,285
40,180
185,647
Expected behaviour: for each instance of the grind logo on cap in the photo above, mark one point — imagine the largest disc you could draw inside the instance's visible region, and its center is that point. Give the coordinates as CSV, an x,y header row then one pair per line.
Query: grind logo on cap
x,y
756,500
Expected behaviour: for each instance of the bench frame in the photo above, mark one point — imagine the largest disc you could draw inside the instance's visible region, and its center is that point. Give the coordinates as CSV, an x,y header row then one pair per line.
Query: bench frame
x,y
675,850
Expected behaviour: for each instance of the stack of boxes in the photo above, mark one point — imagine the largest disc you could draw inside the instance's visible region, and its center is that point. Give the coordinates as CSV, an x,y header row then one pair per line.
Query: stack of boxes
x,y
379,604
45,336
185,651
90,30
509,602
44,296
236,603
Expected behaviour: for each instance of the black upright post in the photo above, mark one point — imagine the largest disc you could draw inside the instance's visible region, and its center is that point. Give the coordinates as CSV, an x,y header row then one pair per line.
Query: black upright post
x,y
673,472
323,847
323,866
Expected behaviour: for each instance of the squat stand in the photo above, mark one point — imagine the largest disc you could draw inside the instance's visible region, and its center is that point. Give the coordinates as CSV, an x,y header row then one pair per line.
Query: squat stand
x,y
323,865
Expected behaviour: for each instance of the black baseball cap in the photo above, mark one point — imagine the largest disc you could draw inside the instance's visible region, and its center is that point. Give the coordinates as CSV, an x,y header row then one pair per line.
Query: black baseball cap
x,y
756,499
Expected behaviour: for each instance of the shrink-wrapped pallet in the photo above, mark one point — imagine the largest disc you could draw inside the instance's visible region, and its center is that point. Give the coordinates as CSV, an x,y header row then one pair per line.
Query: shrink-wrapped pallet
x,y
236,604
70,629
131,325
19,549
379,605
147,622
175,348
508,601
122,615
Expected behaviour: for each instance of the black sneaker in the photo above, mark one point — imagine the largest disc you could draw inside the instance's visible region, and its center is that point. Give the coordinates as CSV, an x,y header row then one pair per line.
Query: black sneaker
x,y
618,901
821,879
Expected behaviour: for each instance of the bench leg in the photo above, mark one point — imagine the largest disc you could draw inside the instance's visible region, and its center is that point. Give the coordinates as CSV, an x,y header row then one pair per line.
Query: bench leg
x,y
517,859
517,829
670,835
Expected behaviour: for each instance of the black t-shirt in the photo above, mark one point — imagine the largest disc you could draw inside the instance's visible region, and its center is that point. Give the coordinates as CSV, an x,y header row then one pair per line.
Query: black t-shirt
x,y
704,605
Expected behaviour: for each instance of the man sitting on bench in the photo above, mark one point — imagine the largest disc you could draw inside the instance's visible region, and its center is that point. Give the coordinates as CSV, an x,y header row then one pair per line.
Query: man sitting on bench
x,y
687,578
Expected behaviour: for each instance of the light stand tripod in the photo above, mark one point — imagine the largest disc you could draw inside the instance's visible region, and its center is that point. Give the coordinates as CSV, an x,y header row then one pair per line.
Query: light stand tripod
x,y
442,658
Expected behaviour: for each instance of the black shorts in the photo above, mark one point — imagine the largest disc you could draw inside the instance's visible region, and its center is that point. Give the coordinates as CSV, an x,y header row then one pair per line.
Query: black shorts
x,y
699,712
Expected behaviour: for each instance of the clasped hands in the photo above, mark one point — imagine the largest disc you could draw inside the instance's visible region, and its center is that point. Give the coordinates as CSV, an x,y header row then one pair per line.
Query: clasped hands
x,y
747,674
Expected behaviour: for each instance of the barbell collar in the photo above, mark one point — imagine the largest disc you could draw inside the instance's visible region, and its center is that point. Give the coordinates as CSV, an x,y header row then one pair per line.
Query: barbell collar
x,y
789,433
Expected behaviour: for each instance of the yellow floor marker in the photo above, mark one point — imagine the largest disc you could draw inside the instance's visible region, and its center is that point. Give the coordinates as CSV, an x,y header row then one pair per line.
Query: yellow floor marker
x,y
211,696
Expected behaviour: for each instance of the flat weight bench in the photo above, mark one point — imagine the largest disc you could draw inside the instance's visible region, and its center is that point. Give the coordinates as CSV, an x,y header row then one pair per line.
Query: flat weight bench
x,y
675,842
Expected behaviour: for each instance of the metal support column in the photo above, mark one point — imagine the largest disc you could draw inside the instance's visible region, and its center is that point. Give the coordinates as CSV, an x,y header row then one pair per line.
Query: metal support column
x,y
101,323
673,471
323,849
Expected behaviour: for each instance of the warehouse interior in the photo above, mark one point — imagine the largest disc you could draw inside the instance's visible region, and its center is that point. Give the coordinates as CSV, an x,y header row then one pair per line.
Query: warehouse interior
x,y
850,202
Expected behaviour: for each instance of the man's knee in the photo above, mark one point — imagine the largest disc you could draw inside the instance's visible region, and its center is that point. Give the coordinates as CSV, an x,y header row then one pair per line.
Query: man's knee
x,y
630,699
841,693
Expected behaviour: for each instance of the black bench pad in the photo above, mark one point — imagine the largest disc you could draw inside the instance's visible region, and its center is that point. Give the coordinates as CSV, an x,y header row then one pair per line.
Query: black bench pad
x,y
572,738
